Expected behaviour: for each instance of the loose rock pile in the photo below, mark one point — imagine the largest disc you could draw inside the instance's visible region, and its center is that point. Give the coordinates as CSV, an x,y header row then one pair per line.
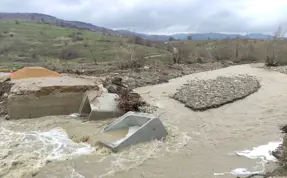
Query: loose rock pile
x,y
282,69
205,94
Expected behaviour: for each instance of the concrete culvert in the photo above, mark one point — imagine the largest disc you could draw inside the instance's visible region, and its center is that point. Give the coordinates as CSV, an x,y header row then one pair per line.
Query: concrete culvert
x,y
141,127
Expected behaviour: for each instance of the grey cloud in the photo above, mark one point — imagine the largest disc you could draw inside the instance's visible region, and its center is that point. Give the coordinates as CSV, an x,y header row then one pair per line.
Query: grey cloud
x,y
162,16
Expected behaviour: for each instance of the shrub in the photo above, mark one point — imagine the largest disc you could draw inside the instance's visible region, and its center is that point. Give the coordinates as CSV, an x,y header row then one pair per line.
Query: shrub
x,y
270,61
68,54
222,53
86,44
77,38
132,64
34,56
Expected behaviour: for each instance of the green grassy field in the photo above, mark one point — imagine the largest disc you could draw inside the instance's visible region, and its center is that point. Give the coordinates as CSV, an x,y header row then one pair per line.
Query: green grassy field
x,y
33,43
30,42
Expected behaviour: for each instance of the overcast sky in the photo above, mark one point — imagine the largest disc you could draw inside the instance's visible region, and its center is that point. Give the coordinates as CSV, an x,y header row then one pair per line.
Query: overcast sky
x,y
164,16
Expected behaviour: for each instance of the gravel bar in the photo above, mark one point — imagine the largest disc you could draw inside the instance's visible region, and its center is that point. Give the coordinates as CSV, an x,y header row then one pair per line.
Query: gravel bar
x,y
200,95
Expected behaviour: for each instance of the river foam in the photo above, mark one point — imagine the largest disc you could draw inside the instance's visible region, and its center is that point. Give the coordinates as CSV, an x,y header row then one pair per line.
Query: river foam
x,y
22,152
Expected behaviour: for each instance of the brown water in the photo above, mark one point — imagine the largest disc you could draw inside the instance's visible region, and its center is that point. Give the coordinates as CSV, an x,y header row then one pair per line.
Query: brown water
x,y
199,143
115,135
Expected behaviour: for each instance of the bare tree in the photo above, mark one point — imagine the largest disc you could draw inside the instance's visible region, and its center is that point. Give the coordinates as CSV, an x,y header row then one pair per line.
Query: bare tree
x,y
129,48
273,49
93,56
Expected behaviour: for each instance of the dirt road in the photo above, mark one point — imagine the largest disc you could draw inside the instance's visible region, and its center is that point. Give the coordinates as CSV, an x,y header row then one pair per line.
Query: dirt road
x,y
199,143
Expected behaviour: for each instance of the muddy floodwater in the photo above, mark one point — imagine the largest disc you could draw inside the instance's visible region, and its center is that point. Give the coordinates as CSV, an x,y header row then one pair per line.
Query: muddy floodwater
x,y
199,144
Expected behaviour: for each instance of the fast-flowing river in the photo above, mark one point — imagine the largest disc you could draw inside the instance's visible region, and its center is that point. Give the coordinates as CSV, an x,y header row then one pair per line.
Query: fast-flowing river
x,y
200,144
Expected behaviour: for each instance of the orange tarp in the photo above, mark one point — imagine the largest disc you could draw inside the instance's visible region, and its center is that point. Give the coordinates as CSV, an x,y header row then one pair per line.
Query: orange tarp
x,y
33,72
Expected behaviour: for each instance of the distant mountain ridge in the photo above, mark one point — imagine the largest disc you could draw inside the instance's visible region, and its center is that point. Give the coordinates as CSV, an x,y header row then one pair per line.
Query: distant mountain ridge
x,y
206,36
56,21
199,36
83,25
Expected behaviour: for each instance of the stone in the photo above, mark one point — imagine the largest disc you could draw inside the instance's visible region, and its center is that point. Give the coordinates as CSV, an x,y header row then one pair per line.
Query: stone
x,y
117,81
7,117
5,95
112,89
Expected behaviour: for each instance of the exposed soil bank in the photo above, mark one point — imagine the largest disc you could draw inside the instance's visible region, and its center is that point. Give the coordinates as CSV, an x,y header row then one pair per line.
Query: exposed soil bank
x,y
135,78
206,94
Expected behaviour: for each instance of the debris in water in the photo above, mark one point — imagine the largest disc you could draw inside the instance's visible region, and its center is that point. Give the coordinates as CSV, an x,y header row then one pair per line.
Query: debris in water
x,y
263,153
75,115
244,171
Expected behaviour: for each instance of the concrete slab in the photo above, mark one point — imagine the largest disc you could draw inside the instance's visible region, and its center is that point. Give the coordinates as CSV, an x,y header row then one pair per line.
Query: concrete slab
x,y
38,97
4,74
52,84
98,106
142,127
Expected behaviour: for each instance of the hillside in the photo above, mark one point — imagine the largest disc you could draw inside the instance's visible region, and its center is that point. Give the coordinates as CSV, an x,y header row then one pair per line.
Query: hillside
x,y
28,41
47,19
43,18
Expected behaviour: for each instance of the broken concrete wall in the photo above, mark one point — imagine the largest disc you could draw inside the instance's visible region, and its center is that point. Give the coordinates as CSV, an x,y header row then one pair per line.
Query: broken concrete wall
x,y
32,106
32,98
98,105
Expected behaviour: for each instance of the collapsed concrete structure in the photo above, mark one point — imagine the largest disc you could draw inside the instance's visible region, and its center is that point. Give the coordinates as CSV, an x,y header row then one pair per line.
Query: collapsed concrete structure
x,y
33,95
99,105
38,97
142,127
